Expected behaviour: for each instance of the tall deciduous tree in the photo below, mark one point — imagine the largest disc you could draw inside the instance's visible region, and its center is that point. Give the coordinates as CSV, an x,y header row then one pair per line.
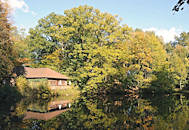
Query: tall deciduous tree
x,y
181,49
146,56
94,48
21,45
42,40
7,54
87,38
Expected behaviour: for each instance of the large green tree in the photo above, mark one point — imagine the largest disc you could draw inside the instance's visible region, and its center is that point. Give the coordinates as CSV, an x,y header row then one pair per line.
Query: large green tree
x,y
86,39
181,49
146,56
95,49
41,41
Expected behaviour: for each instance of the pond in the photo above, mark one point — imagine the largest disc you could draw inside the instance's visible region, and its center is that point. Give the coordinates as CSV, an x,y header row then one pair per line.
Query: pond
x,y
140,112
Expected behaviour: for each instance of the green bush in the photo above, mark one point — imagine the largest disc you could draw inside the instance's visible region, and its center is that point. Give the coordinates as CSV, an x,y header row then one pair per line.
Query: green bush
x,y
22,85
43,90
39,90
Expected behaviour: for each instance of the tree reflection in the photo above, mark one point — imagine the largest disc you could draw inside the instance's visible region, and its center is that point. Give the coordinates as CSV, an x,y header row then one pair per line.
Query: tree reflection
x,y
9,97
172,111
138,112
13,107
121,112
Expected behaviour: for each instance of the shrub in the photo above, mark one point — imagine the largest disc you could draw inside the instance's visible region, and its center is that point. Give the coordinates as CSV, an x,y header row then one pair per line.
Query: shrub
x,y
22,85
43,90
39,90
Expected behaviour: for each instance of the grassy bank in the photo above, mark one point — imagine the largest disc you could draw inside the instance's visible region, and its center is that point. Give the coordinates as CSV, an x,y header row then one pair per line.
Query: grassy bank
x,y
70,93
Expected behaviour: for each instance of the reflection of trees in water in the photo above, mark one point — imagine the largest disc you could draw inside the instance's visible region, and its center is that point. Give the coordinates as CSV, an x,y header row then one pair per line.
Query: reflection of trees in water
x,y
130,112
120,112
172,111
9,97
13,108
110,111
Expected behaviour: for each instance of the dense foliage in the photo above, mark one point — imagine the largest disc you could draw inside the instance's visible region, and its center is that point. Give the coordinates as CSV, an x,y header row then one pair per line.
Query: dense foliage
x,y
102,57
7,53
38,90
96,50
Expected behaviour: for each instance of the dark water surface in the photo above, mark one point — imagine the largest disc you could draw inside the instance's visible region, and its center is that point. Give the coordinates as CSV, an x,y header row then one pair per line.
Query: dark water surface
x,y
165,112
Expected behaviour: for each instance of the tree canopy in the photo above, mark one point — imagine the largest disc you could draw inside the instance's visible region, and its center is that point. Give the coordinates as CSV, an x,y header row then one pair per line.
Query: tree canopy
x,y
95,49
7,53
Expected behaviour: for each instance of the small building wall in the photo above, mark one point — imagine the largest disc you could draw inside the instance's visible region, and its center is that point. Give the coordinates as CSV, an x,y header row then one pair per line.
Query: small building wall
x,y
58,87
57,82
53,83
36,82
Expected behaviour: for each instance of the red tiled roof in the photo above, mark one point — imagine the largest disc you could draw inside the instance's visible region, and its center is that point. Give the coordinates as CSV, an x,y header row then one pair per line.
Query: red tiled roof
x,y
43,73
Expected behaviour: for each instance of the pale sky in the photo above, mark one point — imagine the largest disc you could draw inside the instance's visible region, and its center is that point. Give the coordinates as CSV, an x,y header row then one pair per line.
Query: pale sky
x,y
153,15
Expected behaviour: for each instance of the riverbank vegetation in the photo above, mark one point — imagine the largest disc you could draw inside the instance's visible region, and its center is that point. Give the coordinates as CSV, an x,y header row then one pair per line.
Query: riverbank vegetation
x,y
41,90
99,53
126,78
8,56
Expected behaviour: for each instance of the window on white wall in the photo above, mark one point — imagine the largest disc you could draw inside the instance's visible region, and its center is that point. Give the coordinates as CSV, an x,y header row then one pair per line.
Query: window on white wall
x,y
70,83
60,82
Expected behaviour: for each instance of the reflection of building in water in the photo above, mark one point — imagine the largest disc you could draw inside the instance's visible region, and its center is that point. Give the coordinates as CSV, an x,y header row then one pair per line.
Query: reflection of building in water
x,y
58,104
47,111
43,116
52,105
